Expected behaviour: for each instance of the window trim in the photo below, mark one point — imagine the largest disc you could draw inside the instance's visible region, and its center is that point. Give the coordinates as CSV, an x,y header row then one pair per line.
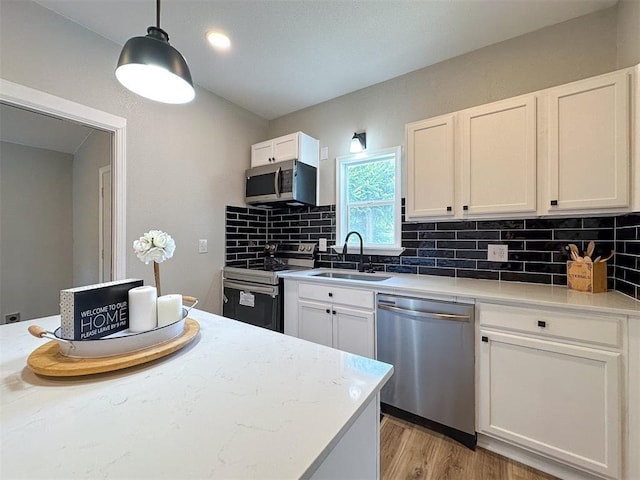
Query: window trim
x,y
392,250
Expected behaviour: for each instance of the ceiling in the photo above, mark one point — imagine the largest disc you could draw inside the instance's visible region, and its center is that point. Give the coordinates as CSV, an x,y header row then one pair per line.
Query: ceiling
x,y
288,55
32,129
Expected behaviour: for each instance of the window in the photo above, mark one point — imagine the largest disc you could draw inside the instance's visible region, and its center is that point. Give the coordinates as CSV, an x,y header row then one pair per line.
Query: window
x,y
368,200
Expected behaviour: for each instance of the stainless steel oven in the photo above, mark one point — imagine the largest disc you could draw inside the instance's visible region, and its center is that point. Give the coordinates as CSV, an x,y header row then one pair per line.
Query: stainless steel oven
x,y
255,295
253,298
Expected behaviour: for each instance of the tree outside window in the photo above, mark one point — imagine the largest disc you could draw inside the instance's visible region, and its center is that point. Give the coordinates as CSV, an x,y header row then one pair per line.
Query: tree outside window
x,y
369,198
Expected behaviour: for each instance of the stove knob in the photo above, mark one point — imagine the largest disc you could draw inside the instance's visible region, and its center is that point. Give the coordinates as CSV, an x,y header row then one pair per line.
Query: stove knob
x,y
309,248
301,248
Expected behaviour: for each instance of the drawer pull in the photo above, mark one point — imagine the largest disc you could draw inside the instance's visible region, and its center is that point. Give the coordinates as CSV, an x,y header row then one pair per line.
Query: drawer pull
x,y
330,294
449,209
554,203
328,311
542,323
334,312
465,207
485,339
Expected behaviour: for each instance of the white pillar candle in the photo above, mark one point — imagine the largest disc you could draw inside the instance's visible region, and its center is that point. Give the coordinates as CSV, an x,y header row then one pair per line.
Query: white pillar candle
x,y
169,309
142,309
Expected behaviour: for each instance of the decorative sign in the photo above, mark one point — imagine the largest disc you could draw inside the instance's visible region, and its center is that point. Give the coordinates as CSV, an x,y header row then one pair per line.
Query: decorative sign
x,y
247,299
95,311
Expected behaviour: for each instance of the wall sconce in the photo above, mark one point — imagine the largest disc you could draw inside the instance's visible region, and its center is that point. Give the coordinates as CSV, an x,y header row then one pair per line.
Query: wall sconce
x,y
358,142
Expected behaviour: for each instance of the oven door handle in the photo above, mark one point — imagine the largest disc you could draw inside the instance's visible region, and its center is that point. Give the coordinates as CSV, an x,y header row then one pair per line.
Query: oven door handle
x,y
273,291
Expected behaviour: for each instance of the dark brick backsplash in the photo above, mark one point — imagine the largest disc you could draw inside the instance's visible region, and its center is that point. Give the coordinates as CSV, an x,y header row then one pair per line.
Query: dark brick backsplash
x,y
452,248
246,229
627,259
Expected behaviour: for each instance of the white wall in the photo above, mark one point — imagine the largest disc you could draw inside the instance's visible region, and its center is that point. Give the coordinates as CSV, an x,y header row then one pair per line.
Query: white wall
x,y
95,152
184,163
628,33
36,237
575,49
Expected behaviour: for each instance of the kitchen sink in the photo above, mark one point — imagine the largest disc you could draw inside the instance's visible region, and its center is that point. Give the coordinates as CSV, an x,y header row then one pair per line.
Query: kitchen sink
x,y
372,277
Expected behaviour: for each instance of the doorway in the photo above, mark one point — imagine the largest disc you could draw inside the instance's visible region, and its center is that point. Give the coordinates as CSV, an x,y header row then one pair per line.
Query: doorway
x,y
36,101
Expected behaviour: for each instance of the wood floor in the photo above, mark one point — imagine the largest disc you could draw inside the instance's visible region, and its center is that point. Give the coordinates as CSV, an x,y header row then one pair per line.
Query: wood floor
x,y
410,452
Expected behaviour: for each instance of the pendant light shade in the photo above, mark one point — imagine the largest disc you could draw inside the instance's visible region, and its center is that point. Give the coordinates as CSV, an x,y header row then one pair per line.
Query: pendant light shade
x,y
152,68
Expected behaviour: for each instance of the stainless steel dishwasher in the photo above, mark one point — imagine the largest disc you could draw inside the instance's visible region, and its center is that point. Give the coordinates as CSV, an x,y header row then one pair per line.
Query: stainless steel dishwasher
x,y
431,347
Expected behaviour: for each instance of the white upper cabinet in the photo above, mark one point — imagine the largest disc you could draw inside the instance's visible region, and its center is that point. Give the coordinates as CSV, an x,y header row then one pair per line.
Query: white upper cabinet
x,y
430,168
498,157
588,144
261,153
285,148
566,150
295,146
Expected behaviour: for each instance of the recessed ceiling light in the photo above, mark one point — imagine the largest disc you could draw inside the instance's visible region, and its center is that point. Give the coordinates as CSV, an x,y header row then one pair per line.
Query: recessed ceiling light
x,y
218,39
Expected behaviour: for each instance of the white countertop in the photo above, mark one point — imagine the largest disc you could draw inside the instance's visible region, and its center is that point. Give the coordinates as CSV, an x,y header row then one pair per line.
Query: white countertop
x,y
484,290
239,402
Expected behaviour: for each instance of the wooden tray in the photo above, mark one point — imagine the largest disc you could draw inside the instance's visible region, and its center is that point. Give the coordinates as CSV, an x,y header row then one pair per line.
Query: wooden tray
x,y
48,361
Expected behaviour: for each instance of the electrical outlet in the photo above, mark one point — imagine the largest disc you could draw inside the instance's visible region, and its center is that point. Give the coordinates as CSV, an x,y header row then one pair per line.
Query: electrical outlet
x,y
498,253
202,246
322,244
12,317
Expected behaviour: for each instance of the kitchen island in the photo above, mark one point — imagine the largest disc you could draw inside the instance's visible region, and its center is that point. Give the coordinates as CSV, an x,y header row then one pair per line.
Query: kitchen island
x,y
238,402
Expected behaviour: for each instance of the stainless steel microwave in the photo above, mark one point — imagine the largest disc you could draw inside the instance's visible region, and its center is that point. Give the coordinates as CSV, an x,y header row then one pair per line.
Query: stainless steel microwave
x,y
290,182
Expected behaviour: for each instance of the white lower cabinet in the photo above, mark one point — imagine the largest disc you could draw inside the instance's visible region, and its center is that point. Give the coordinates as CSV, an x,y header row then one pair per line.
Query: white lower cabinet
x,y
341,318
347,329
559,399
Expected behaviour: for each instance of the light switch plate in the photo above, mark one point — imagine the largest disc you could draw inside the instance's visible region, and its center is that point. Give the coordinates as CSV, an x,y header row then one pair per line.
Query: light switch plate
x,y
324,153
202,246
322,244
498,253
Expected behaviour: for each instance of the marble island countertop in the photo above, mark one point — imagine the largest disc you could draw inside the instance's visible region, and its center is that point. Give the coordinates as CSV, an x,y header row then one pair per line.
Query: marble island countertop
x,y
239,402
481,290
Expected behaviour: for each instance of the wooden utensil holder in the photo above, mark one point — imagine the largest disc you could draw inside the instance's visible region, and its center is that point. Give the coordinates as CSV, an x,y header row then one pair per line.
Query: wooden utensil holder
x,y
587,277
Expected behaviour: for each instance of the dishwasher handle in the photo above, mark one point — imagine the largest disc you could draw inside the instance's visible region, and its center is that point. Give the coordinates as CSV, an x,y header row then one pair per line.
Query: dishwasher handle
x,y
420,314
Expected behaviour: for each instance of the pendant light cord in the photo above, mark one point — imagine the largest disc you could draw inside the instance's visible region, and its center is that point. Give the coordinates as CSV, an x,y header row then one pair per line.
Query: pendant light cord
x,y
158,13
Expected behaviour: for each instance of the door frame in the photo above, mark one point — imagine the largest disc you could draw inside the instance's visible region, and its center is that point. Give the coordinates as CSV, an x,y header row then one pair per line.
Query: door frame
x,y
102,171
31,99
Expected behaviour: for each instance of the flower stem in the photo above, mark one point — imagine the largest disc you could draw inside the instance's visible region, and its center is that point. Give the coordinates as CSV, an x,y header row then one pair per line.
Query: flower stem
x,y
156,273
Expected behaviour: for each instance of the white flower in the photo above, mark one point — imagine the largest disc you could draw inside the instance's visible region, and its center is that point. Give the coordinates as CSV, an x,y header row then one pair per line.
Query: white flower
x,y
154,246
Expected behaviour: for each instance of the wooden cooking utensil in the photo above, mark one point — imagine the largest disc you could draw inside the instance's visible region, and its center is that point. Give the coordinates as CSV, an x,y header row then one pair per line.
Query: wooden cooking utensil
x,y
613,252
575,253
597,259
590,248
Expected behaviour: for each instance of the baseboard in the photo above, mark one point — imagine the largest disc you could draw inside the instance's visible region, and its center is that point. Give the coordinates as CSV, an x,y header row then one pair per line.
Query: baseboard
x,y
536,461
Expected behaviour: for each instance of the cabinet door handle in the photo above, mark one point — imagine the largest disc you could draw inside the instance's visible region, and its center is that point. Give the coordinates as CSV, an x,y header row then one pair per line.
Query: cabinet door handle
x,y
330,294
334,312
542,323
465,207
449,208
485,339
554,203
328,311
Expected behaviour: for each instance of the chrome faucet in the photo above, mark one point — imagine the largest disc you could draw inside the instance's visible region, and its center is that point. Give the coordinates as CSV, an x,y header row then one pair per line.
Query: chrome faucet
x,y
344,251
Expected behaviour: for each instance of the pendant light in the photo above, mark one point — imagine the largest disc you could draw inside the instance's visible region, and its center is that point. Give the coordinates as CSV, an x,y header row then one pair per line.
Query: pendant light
x,y
152,68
